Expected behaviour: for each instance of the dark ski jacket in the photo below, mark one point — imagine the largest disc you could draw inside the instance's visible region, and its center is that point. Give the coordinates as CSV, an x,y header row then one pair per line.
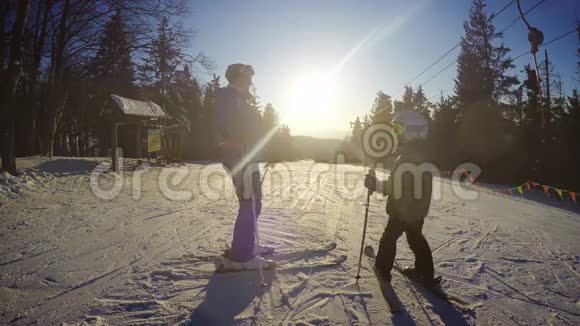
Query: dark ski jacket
x,y
409,188
236,122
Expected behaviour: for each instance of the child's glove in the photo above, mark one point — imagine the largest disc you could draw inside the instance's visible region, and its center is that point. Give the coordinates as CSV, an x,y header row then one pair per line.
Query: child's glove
x,y
371,181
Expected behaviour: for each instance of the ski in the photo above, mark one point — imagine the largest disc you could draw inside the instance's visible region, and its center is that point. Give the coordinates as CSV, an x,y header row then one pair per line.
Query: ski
x,y
316,249
292,265
387,289
287,251
438,292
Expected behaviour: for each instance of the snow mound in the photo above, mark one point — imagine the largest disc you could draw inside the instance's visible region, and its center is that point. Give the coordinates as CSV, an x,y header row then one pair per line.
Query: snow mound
x,y
39,174
24,182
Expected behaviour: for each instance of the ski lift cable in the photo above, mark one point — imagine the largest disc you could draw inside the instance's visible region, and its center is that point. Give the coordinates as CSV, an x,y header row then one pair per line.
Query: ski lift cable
x,y
449,66
519,56
457,45
440,94
518,18
438,73
502,31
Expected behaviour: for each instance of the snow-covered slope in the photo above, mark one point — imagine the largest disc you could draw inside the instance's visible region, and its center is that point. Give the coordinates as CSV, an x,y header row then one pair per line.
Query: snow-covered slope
x,y
68,256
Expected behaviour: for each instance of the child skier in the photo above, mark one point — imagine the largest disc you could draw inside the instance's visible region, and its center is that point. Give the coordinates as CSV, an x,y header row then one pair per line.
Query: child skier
x,y
237,132
407,205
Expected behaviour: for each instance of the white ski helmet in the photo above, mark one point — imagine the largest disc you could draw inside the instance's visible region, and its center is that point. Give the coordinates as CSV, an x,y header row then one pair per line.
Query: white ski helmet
x,y
410,125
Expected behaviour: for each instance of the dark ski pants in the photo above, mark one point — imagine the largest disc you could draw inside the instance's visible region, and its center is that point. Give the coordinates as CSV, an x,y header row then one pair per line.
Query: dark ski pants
x,y
388,246
249,193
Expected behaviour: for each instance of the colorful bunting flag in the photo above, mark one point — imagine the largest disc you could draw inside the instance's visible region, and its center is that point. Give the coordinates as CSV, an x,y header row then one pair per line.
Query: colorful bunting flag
x,y
546,190
527,185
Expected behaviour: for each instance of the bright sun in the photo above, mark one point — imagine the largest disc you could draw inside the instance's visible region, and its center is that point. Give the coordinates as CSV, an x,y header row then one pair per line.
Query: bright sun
x,y
311,93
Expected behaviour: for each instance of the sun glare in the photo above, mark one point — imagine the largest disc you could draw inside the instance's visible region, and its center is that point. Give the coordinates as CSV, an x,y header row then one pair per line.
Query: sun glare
x,y
311,93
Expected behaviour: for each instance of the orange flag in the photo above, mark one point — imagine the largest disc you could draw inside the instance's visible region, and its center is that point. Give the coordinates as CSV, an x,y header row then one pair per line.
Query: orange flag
x,y
546,190
528,185
573,196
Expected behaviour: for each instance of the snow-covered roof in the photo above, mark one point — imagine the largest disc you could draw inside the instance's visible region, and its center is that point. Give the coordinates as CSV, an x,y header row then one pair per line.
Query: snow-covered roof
x,y
138,108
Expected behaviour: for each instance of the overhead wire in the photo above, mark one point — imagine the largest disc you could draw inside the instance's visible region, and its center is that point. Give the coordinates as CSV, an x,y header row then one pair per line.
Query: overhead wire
x,y
502,31
456,46
514,59
519,18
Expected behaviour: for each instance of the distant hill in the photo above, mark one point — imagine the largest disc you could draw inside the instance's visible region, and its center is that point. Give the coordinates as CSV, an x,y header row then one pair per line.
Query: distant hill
x,y
318,149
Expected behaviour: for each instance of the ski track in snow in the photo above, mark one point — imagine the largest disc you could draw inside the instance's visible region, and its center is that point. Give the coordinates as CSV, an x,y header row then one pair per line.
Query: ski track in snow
x,y
69,257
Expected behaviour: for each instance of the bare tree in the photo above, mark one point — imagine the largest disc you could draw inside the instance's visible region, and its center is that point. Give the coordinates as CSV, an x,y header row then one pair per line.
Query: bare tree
x,y
46,48
9,89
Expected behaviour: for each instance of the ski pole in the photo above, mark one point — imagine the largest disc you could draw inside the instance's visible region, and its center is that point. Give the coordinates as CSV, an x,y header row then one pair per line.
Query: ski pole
x,y
262,281
266,168
364,232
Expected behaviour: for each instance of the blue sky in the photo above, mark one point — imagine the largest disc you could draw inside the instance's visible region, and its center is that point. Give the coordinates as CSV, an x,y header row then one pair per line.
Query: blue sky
x,y
367,45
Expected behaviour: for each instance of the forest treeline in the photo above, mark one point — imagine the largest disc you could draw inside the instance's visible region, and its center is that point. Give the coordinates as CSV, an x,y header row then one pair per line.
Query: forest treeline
x,y
493,118
62,59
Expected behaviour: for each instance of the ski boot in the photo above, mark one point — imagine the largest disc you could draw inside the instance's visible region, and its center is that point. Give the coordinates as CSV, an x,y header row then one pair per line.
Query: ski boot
x,y
431,284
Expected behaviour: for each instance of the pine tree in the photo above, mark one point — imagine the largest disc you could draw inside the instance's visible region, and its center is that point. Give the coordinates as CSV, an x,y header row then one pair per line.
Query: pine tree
x,y
255,100
283,144
482,81
382,109
207,116
269,118
279,146
421,104
366,122
112,66
531,111
443,133
162,59
407,101
186,106
415,101
481,66
569,136
357,130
